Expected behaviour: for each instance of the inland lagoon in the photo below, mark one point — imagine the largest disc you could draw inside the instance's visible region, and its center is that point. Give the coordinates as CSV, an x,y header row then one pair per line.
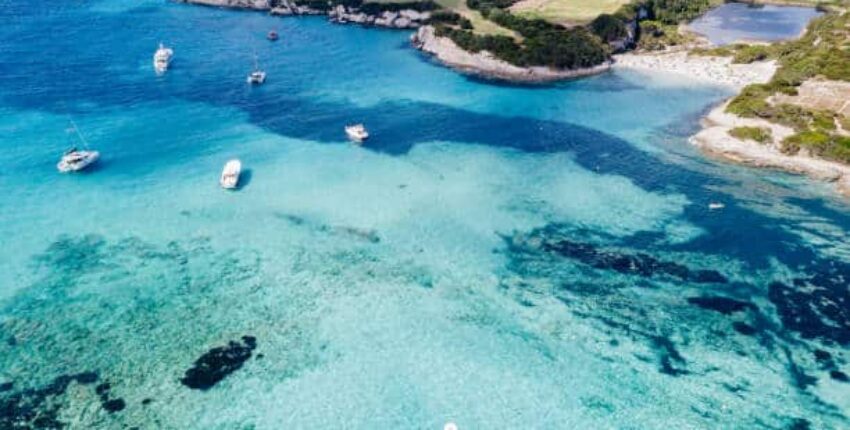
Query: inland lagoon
x,y
737,22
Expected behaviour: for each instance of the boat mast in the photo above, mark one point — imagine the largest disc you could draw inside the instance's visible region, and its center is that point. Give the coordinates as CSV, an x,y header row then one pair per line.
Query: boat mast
x,y
77,131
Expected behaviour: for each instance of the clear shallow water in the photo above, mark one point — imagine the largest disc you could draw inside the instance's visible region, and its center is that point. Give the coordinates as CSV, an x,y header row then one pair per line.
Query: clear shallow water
x,y
498,256
735,22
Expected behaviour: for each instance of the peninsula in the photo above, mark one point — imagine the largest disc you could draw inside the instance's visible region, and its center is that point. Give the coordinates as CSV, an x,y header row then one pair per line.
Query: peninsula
x,y
791,113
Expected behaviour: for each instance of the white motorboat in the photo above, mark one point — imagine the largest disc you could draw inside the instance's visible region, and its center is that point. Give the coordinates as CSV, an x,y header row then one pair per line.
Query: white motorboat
x,y
716,206
258,76
162,58
357,132
75,160
230,175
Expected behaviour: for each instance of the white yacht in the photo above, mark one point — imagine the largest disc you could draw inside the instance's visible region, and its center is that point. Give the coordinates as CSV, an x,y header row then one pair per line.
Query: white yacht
x,y
230,175
357,132
75,160
258,76
162,58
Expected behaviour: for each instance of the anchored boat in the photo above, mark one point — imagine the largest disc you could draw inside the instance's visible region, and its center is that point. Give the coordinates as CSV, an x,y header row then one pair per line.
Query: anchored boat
x,y
230,175
75,160
258,76
162,58
357,132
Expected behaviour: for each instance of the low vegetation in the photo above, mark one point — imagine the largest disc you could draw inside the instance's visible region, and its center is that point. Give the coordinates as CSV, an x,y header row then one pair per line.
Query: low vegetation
x,y
757,134
674,12
824,52
537,42
540,43
820,144
656,35
845,124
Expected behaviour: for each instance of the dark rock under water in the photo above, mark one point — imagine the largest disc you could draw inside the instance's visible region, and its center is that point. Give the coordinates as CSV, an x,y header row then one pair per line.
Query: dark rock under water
x,y
669,358
639,264
744,328
723,305
219,362
36,408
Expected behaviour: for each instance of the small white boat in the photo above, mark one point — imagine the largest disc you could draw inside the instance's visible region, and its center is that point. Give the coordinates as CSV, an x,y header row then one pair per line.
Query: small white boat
x,y
258,76
162,58
357,132
75,160
716,206
230,175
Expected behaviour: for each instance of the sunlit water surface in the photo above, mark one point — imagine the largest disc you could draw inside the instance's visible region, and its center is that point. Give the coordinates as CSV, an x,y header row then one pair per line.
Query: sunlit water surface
x,y
500,257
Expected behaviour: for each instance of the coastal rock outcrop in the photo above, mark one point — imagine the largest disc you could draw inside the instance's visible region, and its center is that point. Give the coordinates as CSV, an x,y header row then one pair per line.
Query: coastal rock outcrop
x,y
407,18
236,4
286,7
219,362
715,139
341,14
486,64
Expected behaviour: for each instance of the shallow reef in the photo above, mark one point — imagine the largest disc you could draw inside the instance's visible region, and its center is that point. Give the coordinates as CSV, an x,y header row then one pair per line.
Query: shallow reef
x,y
218,362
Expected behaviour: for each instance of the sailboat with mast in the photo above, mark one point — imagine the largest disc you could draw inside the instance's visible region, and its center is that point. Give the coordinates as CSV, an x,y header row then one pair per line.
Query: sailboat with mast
x,y
258,76
75,160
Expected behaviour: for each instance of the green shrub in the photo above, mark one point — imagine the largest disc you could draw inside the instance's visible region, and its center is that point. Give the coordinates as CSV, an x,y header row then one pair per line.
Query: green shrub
x,y
751,53
720,51
820,144
543,43
676,11
758,134
814,141
609,27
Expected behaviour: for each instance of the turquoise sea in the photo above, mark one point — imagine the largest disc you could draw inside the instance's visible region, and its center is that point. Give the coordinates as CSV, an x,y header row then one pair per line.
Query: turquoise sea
x,y
501,257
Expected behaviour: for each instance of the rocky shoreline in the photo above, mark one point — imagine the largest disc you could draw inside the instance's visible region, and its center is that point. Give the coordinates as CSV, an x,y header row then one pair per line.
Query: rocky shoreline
x,y
401,19
486,65
481,64
714,139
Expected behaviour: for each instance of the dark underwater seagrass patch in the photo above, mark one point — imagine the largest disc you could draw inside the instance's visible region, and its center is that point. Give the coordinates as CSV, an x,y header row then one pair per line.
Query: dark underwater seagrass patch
x,y
612,259
38,407
817,307
218,362
723,305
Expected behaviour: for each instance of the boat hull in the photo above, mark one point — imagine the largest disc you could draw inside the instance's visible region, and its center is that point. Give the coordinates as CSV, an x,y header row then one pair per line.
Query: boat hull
x,y
90,158
230,175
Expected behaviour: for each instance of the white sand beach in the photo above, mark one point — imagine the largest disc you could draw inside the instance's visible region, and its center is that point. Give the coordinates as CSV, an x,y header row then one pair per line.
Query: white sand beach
x,y
714,70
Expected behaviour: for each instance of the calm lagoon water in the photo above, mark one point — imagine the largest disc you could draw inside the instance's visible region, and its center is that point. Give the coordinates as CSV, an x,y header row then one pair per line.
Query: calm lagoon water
x,y
734,22
497,256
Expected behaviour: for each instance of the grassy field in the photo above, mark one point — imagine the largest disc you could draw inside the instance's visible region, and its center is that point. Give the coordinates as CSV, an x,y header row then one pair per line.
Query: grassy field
x,y
480,24
566,11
